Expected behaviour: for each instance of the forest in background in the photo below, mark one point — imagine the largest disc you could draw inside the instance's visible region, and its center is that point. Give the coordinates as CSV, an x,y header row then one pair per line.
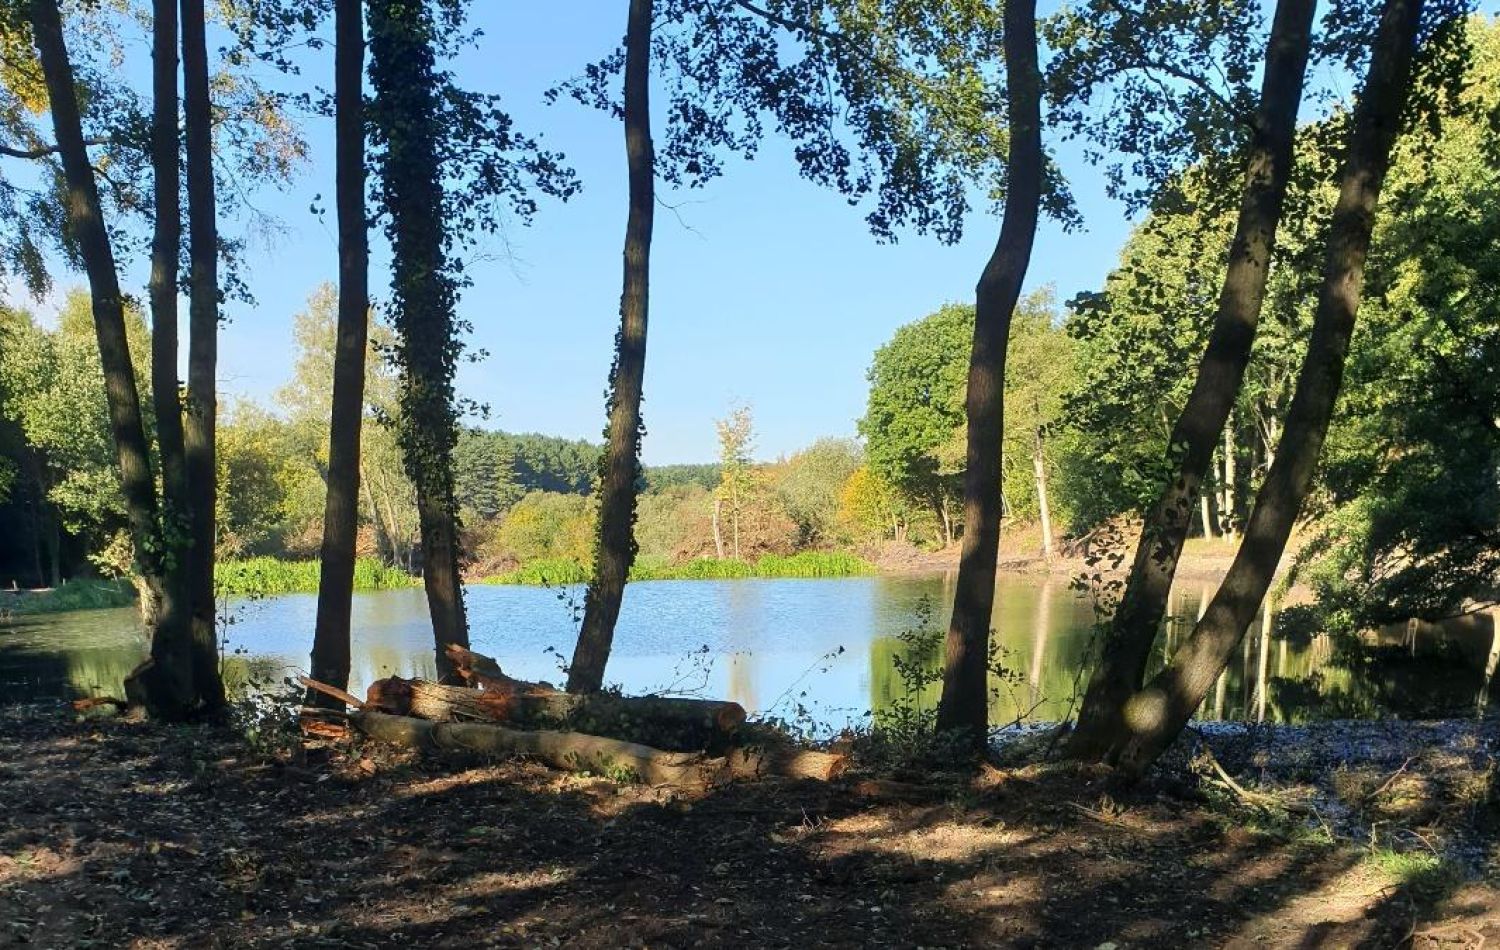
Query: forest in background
x,y
1403,520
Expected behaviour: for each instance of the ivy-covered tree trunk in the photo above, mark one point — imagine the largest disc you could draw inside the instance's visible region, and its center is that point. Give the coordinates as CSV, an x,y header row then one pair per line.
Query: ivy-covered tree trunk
x,y
423,292
620,466
965,699
203,351
174,623
1154,718
168,687
330,651
1129,638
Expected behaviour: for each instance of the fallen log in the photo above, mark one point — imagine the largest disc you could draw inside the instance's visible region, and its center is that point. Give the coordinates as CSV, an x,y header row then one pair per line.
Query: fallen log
x,y
542,699
664,721
614,758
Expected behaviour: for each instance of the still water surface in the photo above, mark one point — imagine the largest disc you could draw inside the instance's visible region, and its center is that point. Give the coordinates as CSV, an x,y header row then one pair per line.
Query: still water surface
x,y
768,644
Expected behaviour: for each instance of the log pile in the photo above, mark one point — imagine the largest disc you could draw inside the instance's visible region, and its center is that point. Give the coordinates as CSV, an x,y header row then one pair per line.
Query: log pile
x,y
659,740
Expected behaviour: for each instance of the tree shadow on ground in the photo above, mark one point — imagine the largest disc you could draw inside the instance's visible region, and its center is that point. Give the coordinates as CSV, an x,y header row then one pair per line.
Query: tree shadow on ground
x,y
140,835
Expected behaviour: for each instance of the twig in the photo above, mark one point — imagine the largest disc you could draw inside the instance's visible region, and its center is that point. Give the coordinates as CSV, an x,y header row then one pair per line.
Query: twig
x,y
1388,782
334,691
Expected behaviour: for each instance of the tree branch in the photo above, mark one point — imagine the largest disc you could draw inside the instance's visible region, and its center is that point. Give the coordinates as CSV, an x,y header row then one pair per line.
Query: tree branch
x,y
42,151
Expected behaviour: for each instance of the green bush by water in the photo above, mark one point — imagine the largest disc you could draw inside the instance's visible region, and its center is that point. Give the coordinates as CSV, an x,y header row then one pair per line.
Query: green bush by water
x,y
805,564
71,595
262,576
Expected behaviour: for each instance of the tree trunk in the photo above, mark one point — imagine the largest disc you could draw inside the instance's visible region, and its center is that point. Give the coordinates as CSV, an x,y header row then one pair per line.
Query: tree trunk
x,y
615,548
718,532
174,621
168,686
1128,640
330,650
424,293
1205,515
1159,712
1228,520
964,704
203,352
1039,463
384,548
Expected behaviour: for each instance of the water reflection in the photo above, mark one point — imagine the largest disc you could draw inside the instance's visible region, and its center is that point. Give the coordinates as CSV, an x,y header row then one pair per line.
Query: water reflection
x,y
775,645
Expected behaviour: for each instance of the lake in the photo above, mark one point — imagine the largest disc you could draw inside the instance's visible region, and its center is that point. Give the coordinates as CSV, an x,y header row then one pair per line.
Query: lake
x,y
826,645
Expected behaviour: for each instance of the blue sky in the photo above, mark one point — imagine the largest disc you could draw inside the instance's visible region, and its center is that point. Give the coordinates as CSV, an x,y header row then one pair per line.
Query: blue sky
x,y
765,289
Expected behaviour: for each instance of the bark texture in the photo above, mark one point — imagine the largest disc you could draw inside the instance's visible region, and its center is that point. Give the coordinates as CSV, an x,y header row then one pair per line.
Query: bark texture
x,y
424,294
203,352
172,636
620,469
1128,641
964,703
1153,719
165,684
330,651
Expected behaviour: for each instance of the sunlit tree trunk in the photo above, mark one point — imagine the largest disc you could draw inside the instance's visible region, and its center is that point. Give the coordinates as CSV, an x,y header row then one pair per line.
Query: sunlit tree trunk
x,y
1039,463
167,685
964,704
1128,640
1227,515
330,651
403,72
203,351
615,550
1156,716
718,531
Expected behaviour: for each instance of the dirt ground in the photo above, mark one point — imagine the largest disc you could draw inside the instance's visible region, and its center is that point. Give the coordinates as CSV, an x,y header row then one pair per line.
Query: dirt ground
x,y
115,834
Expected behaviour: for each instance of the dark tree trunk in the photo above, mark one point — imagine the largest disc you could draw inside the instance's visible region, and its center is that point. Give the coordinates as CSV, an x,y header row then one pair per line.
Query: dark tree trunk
x,y
330,651
621,466
169,688
1155,717
964,705
1128,641
424,293
174,621
203,351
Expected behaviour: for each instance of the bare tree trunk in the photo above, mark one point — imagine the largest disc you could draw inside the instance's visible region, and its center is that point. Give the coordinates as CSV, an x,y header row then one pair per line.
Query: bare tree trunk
x,y
384,546
174,621
718,532
203,350
1039,462
1228,518
615,550
1205,515
964,704
330,650
1159,712
1128,641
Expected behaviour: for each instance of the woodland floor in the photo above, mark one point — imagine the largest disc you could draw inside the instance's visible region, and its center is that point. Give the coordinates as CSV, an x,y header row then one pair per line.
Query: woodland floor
x,y
115,834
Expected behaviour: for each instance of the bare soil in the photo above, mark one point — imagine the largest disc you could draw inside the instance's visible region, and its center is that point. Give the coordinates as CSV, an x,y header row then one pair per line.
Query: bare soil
x,y
117,834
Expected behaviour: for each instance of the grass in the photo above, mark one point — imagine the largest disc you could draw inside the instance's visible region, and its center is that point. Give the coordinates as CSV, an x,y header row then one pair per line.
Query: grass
x,y
72,595
1423,873
805,564
263,576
